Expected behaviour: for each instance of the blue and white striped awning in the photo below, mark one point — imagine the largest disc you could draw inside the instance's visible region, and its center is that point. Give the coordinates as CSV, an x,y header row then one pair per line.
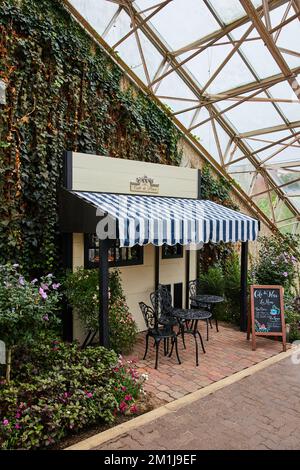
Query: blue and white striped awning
x,y
159,220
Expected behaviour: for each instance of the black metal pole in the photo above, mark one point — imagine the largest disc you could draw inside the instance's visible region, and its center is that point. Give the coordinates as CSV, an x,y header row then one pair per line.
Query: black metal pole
x,y
103,293
187,276
198,251
156,267
244,298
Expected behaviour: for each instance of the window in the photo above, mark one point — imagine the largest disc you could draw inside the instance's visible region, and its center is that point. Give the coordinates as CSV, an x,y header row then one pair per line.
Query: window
x,y
117,256
175,251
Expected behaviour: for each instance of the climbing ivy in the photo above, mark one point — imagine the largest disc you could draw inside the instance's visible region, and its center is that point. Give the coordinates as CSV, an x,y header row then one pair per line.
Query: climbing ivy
x,y
216,189
63,93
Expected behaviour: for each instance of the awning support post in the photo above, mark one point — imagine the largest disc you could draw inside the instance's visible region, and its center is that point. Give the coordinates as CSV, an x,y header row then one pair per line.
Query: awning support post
x,y
187,276
244,286
103,293
156,267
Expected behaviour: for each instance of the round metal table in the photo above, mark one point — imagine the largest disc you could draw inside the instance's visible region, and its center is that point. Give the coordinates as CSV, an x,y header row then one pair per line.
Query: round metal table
x,y
208,301
193,316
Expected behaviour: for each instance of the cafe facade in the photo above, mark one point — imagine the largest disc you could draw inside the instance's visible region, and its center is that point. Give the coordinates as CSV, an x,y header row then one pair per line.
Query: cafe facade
x,y
147,220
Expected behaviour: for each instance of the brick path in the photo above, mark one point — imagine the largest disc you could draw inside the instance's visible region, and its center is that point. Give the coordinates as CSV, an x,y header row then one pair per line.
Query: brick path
x,y
227,352
261,411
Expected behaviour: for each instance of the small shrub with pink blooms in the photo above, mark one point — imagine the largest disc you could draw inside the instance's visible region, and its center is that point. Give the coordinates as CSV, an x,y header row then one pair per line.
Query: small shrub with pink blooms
x,y
27,308
58,389
128,386
82,290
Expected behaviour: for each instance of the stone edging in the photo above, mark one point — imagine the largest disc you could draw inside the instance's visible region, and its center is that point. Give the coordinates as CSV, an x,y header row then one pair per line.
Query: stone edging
x,y
175,405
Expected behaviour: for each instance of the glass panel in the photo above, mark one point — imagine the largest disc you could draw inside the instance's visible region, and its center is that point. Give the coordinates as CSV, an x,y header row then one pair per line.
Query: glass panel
x,y
97,12
182,22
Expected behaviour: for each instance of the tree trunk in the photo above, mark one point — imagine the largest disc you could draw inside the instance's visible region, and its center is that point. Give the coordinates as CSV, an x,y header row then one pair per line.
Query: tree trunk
x,y
8,364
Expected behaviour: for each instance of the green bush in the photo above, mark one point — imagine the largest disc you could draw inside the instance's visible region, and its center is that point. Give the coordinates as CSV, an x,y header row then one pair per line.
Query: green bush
x,y
212,282
82,291
27,308
58,389
232,279
277,263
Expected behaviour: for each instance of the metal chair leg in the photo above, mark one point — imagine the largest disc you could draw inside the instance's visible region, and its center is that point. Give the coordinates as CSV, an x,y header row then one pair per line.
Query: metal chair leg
x,y
196,344
182,336
210,322
207,330
156,354
172,346
176,349
146,350
201,340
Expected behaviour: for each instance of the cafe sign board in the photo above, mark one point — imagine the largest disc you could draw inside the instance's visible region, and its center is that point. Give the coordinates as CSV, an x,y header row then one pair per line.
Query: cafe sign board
x,y
144,184
267,313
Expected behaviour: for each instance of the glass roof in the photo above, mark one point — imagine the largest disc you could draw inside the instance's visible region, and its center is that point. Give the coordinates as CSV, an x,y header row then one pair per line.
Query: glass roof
x,y
230,73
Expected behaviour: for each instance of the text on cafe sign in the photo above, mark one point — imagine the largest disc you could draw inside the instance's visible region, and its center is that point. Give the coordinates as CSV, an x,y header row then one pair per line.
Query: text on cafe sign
x,y
144,184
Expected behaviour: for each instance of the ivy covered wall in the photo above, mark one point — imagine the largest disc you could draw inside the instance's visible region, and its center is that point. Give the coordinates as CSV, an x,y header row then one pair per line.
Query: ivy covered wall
x,y
63,93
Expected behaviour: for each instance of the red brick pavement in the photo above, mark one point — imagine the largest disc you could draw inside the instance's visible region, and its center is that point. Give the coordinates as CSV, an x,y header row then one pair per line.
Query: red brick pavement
x,y
262,411
227,352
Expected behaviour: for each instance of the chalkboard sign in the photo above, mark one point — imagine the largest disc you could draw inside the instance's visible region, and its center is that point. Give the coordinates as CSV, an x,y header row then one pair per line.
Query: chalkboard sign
x,y
267,313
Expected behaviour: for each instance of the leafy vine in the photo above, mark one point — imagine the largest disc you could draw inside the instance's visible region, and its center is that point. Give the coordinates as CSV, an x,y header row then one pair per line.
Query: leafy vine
x,y
63,93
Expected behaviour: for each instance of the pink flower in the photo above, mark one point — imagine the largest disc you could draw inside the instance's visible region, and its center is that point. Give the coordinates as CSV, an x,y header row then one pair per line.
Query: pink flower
x,y
123,406
133,409
17,426
123,388
18,415
128,398
42,293
46,318
55,286
5,422
285,274
88,394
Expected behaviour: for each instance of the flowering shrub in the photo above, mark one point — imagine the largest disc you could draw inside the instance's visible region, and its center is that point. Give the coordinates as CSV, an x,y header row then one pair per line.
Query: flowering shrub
x,y
82,290
277,264
128,386
26,308
59,389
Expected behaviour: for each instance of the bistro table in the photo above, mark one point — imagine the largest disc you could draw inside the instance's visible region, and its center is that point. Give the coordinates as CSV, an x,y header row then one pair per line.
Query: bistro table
x,y
208,301
193,316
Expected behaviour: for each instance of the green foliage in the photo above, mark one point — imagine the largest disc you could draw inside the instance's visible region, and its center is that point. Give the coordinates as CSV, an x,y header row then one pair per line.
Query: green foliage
x,y
63,93
212,282
277,263
232,278
26,308
216,189
59,389
82,291
292,317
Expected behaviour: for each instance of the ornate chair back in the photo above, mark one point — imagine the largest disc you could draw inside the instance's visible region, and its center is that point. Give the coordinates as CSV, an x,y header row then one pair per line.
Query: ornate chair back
x,y
149,315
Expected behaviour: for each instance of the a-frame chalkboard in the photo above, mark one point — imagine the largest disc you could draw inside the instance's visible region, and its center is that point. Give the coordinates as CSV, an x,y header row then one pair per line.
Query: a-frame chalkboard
x,y
267,313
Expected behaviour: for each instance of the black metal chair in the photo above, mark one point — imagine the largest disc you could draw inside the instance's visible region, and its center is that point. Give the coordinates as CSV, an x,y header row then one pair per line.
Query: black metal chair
x,y
158,334
194,289
161,300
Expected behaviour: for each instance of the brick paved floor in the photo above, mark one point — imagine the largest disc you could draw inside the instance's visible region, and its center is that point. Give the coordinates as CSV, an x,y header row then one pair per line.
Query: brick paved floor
x,y
227,352
262,411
